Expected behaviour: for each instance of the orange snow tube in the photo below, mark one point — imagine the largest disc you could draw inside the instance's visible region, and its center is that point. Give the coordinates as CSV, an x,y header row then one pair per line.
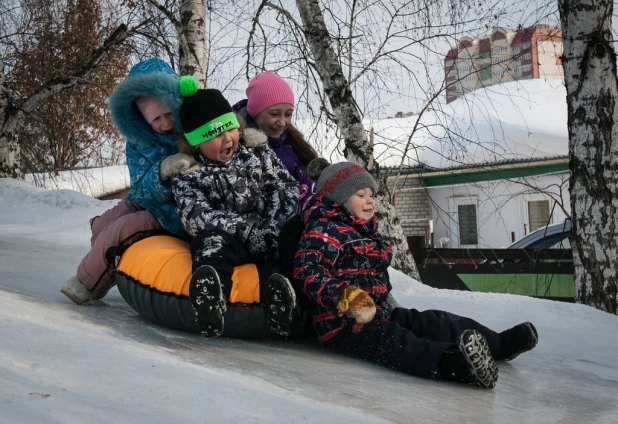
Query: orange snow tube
x,y
153,276
163,263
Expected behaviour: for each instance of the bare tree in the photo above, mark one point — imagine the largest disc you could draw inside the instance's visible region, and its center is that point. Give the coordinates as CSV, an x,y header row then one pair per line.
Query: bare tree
x,y
71,129
347,116
353,56
15,109
188,18
589,61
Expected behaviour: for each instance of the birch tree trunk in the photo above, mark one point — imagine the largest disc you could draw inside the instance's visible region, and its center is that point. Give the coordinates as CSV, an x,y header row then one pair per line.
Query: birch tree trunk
x,y
357,146
9,147
589,62
193,44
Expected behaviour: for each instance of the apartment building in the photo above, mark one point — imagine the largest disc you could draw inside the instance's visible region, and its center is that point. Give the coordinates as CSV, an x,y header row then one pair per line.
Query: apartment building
x,y
506,55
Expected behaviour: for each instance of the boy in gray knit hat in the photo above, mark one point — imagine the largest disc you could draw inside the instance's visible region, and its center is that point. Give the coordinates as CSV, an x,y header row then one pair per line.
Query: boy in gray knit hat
x,y
342,268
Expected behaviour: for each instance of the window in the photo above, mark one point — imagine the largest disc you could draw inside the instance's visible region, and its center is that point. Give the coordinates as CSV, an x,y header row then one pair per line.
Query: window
x,y
468,231
538,213
485,73
498,50
463,227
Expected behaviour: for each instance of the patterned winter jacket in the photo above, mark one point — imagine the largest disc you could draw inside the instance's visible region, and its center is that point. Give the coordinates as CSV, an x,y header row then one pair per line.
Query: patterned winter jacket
x,y
145,148
250,197
285,152
338,250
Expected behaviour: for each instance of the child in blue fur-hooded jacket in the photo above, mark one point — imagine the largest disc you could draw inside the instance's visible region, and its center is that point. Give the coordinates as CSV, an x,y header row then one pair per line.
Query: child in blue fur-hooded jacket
x,y
144,108
342,267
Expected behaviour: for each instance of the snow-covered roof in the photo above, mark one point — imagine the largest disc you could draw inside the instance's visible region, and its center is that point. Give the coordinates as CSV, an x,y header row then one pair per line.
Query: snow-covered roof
x,y
516,121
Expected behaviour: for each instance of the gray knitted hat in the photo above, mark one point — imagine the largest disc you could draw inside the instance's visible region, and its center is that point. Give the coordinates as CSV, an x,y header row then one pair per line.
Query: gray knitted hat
x,y
340,180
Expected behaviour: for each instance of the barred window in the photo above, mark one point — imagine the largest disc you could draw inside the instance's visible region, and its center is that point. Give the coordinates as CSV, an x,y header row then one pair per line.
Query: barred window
x,y
538,213
468,229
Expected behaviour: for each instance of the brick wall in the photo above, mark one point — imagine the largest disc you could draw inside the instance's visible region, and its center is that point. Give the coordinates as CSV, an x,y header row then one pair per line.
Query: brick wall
x,y
413,206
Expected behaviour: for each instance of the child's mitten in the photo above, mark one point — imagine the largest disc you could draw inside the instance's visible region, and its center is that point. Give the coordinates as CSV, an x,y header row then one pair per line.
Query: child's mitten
x,y
179,163
358,304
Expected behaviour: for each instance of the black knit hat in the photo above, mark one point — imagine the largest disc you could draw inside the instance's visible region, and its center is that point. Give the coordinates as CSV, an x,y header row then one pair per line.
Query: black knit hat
x,y
340,180
204,114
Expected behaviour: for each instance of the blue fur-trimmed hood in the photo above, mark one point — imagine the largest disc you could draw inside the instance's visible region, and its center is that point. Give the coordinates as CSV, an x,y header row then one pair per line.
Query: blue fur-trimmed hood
x,y
126,116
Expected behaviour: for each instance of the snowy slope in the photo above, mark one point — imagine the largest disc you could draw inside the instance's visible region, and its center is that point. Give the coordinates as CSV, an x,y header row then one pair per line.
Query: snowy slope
x,y
99,363
94,182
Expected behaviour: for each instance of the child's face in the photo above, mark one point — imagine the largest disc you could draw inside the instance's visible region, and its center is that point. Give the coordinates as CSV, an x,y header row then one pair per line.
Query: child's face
x,y
222,147
361,204
275,120
164,124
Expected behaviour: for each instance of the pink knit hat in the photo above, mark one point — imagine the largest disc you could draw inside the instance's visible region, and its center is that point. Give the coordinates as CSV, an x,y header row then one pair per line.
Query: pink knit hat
x,y
151,108
267,89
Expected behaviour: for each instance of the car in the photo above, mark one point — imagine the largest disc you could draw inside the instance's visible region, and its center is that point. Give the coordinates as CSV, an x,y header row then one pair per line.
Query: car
x,y
553,236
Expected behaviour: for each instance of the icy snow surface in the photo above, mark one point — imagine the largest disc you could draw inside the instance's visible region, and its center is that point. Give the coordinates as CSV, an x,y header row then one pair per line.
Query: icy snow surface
x,y
102,363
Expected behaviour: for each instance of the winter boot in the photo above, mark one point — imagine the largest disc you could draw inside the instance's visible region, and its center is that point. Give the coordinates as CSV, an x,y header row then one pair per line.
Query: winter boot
x,y
76,291
517,340
279,297
470,361
206,295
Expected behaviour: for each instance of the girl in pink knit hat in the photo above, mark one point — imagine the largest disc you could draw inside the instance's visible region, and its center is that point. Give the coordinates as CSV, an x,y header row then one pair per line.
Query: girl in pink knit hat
x,y
269,107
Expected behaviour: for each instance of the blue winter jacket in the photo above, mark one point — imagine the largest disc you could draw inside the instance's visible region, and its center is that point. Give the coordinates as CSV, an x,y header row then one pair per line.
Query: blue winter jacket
x,y
145,148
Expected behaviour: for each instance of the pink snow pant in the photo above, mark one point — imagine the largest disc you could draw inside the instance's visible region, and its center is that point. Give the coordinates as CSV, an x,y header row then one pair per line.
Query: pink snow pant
x,y
109,230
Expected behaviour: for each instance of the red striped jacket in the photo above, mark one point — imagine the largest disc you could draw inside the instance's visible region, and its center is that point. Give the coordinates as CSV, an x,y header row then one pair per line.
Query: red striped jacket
x,y
338,250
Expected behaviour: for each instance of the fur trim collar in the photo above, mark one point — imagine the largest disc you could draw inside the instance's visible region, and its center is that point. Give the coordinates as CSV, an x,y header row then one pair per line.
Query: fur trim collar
x,y
125,115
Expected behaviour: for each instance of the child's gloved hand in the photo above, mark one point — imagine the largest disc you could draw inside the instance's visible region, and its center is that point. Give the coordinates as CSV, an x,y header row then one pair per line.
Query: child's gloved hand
x,y
263,244
179,163
358,304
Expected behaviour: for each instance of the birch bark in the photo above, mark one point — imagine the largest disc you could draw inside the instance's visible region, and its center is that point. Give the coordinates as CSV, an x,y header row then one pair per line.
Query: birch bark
x,y
193,43
589,61
357,147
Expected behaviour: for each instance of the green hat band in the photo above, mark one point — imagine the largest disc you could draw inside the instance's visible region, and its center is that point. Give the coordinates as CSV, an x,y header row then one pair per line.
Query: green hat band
x,y
211,129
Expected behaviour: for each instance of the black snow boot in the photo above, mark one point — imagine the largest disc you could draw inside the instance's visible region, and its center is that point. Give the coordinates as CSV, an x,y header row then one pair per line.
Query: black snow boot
x,y
206,295
517,340
278,296
470,361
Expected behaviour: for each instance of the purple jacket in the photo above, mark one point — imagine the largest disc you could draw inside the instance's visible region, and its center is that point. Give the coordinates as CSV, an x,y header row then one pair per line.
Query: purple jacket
x,y
285,152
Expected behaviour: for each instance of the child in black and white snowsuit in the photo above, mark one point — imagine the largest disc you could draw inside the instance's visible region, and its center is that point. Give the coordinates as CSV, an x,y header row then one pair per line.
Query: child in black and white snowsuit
x,y
234,207
342,267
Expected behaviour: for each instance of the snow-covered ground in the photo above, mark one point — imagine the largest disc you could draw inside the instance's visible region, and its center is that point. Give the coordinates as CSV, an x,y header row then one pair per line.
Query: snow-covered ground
x,y
102,363
95,182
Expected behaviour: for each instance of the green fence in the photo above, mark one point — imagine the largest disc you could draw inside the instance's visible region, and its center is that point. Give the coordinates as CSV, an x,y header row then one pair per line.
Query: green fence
x,y
546,273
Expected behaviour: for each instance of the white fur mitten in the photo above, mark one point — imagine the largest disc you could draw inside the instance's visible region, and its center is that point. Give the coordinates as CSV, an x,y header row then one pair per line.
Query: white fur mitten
x,y
179,163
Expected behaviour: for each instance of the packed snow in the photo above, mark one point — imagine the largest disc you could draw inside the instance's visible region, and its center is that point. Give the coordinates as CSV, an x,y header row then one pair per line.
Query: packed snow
x,y
95,182
102,362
